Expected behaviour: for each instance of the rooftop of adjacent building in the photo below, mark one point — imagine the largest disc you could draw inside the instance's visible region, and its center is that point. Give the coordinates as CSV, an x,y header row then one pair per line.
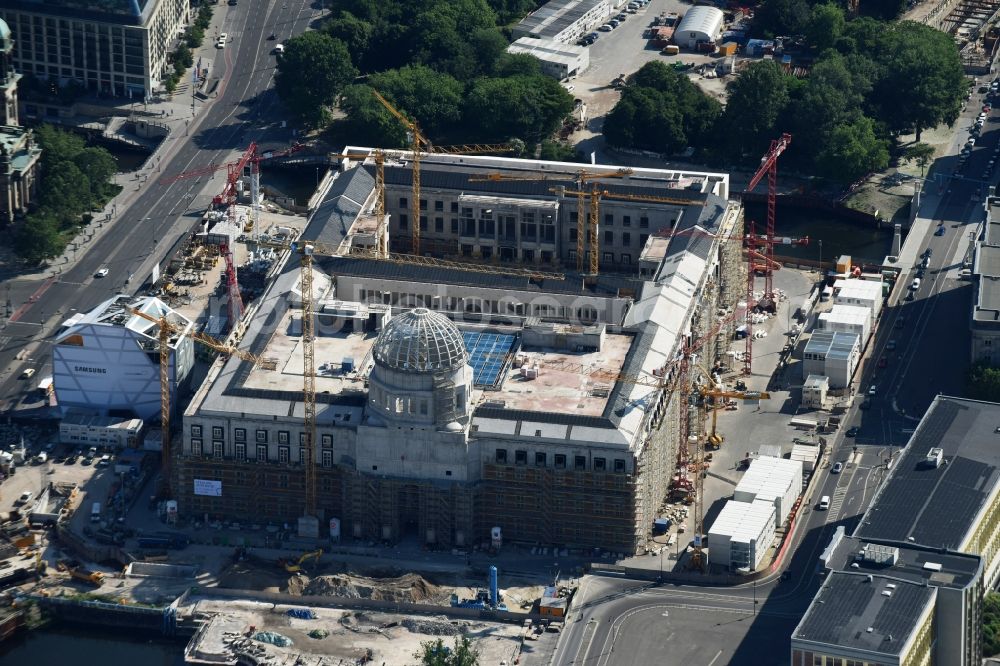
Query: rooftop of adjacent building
x,y
16,142
855,610
940,506
128,12
986,308
832,344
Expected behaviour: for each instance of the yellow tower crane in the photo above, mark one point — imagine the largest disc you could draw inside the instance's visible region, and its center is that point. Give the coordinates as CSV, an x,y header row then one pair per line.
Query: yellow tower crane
x,y
166,329
306,251
418,144
582,178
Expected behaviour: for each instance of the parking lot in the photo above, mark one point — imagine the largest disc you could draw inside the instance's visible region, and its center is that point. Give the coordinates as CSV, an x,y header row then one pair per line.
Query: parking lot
x,y
625,50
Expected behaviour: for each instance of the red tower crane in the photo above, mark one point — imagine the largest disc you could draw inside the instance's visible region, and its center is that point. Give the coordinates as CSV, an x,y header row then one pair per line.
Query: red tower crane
x,y
769,166
235,304
251,156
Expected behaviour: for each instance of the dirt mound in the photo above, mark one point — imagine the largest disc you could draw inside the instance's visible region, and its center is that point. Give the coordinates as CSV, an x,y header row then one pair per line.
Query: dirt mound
x,y
410,588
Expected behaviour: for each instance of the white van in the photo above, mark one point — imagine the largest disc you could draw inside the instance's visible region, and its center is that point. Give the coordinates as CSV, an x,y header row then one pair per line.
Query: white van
x,y
824,503
95,512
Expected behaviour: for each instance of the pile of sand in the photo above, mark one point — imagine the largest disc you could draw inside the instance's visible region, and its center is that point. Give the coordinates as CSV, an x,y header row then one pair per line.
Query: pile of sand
x,y
410,588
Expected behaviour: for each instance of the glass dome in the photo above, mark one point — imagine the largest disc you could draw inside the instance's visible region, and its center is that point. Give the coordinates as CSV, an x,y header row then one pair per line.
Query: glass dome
x,y
420,341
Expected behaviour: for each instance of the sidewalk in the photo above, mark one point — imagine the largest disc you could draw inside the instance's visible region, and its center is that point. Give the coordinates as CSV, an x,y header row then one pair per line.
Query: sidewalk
x,y
181,113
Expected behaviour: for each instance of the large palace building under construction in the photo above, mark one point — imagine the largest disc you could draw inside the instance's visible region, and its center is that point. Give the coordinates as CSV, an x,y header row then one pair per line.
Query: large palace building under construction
x,y
457,396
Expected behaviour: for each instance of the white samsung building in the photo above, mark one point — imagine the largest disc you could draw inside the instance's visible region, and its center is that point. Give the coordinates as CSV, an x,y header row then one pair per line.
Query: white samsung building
x,y
741,534
777,481
107,362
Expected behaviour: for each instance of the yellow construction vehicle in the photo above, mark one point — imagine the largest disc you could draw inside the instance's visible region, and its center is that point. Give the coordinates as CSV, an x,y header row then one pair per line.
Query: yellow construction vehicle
x,y
715,439
296,567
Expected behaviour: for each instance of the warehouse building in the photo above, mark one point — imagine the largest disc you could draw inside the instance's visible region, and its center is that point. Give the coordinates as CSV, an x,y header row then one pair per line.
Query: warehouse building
x,y
564,20
452,401
117,47
559,60
832,354
701,24
906,587
985,316
107,361
774,480
741,535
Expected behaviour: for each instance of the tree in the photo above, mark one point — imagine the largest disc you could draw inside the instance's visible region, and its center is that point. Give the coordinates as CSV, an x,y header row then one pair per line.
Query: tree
x,y
354,32
433,99
369,121
757,98
38,238
58,145
99,166
984,383
781,17
921,153
66,192
991,624
825,26
527,107
436,653
852,150
312,73
923,83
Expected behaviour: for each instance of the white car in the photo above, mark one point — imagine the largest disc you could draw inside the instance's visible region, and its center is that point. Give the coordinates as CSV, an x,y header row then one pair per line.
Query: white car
x,y
221,44
279,49
606,28
24,498
101,273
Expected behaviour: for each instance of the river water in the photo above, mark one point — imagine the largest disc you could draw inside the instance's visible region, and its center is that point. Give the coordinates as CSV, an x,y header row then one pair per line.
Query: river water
x,y
58,645
865,243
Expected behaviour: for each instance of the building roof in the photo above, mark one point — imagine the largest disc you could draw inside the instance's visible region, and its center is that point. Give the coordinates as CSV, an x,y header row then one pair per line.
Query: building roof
x,y
769,477
548,50
420,341
128,12
339,208
861,289
701,18
816,381
853,611
939,507
742,521
832,344
847,314
75,417
554,17
116,312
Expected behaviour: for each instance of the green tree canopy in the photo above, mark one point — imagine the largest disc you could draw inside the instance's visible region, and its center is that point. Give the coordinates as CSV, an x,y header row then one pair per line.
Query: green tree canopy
x,y
38,238
661,110
825,26
919,153
757,98
99,166
432,98
312,73
369,121
852,148
436,653
526,107
984,383
922,82
782,17
991,624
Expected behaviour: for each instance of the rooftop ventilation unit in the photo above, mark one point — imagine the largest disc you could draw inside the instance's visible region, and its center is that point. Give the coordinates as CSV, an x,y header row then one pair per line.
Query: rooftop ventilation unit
x,y
934,457
880,555
932,566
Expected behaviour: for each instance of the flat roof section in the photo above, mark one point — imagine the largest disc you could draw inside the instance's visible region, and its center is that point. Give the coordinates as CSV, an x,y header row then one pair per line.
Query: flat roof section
x,y
564,391
285,348
939,506
851,611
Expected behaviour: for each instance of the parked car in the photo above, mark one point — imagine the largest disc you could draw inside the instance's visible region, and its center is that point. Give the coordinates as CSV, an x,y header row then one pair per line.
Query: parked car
x,y
25,497
606,28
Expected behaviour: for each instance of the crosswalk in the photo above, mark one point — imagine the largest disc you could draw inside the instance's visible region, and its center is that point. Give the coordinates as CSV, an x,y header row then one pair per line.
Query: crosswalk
x,y
837,501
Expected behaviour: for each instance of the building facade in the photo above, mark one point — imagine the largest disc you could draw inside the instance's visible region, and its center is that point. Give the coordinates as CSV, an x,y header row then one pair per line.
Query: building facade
x,y
984,319
107,362
473,399
20,157
559,60
117,48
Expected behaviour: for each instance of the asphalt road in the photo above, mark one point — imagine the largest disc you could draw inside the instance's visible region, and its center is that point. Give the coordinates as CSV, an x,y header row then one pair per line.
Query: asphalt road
x,y
245,109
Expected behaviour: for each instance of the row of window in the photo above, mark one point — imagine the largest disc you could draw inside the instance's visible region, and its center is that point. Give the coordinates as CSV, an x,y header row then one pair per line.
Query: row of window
x,y
217,449
261,435
472,304
560,461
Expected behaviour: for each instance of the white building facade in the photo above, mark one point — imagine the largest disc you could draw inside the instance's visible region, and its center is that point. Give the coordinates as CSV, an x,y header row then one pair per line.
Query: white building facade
x,y
701,24
774,480
108,360
741,535
559,60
